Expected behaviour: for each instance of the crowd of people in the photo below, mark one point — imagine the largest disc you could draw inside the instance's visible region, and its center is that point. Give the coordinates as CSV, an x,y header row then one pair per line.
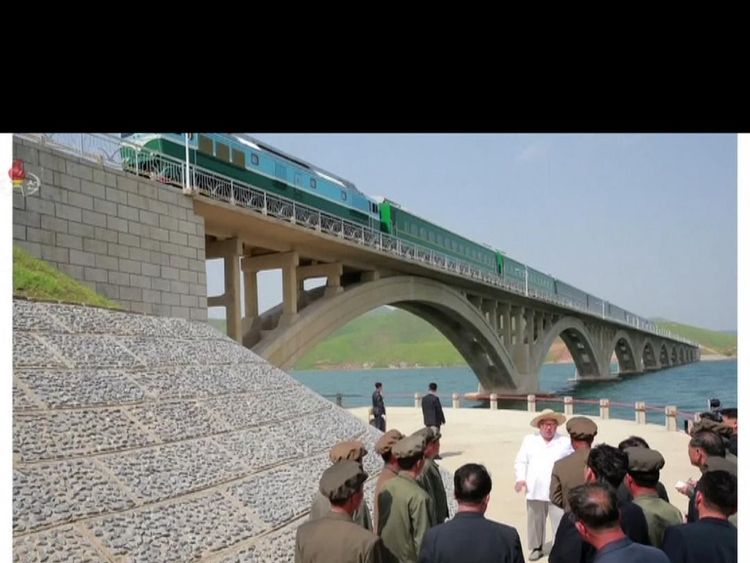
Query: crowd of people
x,y
605,504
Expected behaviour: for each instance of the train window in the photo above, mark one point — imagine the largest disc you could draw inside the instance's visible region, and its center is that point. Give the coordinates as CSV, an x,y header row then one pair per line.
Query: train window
x,y
238,158
205,145
222,152
280,171
343,195
422,233
374,207
254,158
413,229
313,183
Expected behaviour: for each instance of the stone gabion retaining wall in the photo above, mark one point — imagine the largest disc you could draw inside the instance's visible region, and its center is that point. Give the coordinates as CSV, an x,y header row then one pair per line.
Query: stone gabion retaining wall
x,y
158,439
131,239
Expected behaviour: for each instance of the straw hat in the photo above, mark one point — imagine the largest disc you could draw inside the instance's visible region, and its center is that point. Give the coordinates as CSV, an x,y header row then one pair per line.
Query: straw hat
x,y
547,414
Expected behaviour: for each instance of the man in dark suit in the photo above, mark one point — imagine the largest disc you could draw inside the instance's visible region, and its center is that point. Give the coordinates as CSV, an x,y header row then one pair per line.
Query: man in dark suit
x,y
378,407
597,520
432,410
712,539
469,537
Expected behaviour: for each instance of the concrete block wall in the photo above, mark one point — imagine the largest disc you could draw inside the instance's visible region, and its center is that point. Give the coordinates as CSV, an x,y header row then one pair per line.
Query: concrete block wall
x,y
133,240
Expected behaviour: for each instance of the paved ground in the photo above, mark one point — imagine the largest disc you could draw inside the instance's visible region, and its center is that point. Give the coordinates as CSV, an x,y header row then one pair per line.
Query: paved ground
x,y
494,437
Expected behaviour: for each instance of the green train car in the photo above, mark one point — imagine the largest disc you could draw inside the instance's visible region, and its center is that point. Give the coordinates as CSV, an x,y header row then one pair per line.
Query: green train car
x,y
247,160
400,223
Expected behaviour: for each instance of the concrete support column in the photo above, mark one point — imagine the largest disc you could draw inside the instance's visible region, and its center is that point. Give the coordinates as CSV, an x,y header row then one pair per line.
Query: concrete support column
x,y
531,403
289,282
232,291
530,318
288,262
417,401
520,350
251,295
507,338
604,409
230,250
332,273
456,401
670,417
493,314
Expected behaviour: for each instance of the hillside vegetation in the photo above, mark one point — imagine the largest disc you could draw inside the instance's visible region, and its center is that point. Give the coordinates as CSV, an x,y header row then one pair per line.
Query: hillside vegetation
x,y
711,341
387,338
35,279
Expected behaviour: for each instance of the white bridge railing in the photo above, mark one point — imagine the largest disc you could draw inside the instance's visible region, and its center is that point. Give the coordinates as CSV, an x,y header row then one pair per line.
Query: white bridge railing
x,y
112,151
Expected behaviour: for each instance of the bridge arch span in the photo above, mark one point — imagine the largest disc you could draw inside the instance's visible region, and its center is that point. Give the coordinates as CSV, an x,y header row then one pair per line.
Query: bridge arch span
x,y
577,339
442,306
648,355
664,356
625,350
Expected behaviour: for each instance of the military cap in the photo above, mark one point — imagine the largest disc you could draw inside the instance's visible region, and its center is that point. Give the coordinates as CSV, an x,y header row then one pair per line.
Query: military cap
x,y
387,440
716,463
706,424
581,428
351,449
409,446
341,480
547,414
644,460
430,434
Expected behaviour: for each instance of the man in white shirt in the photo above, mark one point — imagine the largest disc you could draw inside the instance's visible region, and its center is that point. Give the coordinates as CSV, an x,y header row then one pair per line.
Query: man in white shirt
x,y
539,452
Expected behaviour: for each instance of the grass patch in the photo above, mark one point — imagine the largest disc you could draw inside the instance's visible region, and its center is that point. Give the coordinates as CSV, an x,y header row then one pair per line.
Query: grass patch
x,y
35,279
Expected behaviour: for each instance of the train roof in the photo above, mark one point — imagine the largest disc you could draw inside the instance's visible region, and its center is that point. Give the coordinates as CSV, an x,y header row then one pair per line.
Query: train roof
x,y
246,139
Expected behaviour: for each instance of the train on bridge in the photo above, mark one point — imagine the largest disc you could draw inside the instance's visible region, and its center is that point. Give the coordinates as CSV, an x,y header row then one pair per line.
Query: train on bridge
x,y
248,160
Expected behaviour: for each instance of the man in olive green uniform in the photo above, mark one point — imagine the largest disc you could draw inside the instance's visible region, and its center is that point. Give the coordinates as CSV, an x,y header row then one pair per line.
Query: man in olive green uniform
x,y
335,537
643,474
404,508
568,471
430,479
352,450
390,465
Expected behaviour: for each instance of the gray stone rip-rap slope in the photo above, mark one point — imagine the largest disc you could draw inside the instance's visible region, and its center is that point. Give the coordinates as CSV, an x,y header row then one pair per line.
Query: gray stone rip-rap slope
x,y
138,438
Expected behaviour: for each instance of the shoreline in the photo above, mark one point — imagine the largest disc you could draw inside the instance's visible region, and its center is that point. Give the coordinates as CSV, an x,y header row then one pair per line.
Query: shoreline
x,y
364,367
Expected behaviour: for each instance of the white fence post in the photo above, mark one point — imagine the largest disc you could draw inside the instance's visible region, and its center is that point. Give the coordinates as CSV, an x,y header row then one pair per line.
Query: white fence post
x,y
531,402
604,408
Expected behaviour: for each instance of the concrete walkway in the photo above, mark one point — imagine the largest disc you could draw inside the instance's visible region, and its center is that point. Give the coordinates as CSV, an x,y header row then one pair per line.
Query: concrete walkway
x,y
493,438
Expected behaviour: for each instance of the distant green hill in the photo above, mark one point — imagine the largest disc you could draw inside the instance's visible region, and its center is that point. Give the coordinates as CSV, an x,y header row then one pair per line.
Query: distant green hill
x,y
391,337
383,338
35,279
711,342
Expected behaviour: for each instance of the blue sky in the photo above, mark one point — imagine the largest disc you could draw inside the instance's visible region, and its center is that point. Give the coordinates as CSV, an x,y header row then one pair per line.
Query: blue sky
x,y
648,222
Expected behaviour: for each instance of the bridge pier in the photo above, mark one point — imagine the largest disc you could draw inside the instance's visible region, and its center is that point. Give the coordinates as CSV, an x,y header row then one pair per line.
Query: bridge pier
x,y
230,250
